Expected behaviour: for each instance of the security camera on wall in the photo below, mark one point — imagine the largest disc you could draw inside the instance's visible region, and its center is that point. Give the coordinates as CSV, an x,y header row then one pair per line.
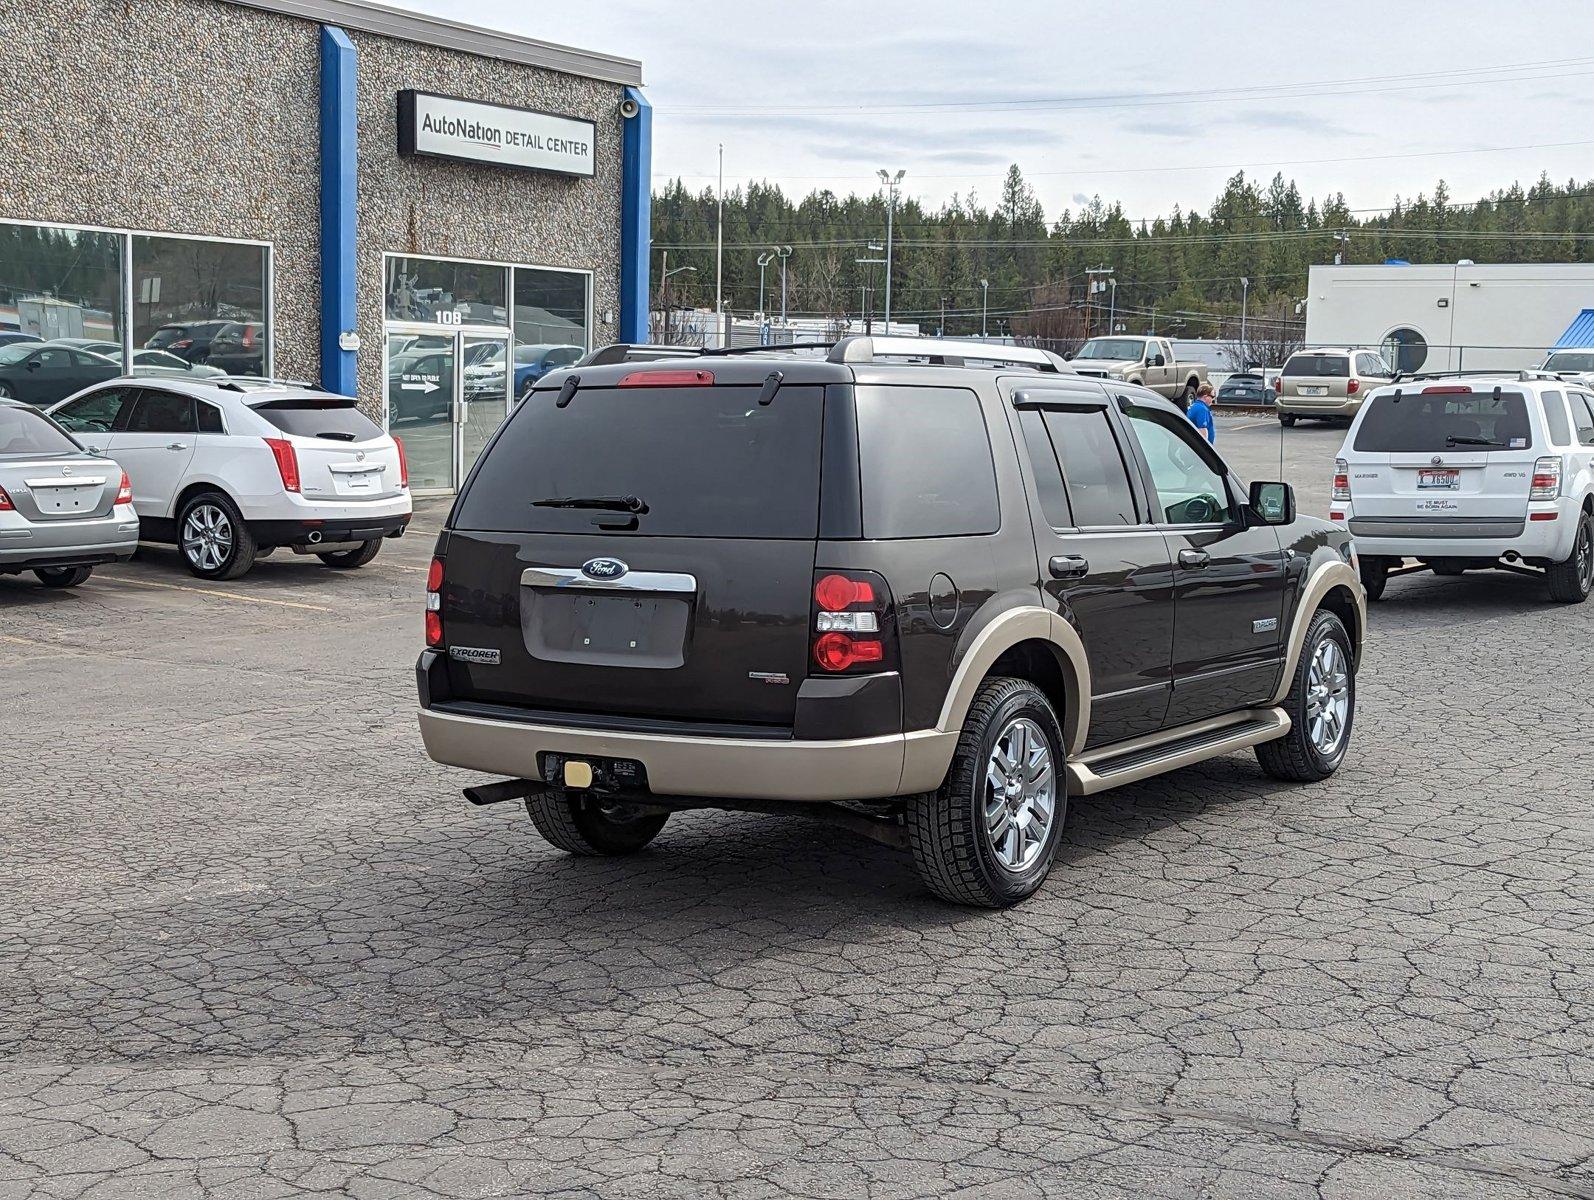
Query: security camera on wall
x,y
629,108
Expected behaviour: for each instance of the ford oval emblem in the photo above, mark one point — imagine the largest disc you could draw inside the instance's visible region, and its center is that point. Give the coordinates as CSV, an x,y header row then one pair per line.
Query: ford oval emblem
x,y
603,568
1436,460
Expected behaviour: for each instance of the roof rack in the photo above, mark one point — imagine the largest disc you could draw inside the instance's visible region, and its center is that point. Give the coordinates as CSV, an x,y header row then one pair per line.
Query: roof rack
x,y
943,352
258,383
1519,374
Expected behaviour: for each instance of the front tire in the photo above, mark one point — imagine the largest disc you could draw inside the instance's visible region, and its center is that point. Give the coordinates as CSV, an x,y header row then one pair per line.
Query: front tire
x,y
1572,580
6,393
580,823
349,559
63,577
213,539
1321,705
989,834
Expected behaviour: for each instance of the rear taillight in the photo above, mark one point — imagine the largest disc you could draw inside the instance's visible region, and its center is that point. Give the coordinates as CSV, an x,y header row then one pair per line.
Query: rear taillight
x,y
1341,479
404,464
852,627
1278,384
1353,386
1448,389
434,603
249,337
5,502
124,490
1546,479
668,379
182,343
287,462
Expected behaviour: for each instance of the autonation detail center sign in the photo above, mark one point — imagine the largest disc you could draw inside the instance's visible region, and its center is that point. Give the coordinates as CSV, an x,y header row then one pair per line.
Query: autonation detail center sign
x,y
468,130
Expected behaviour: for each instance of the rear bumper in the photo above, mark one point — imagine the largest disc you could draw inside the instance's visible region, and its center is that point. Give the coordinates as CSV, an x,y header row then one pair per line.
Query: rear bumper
x,y
1308,406
1454,538
329,531
25,545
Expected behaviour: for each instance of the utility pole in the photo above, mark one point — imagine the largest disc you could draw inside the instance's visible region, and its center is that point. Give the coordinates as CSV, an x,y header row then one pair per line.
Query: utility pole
x,y
1112,307
892,182
783,253
763,261
1341,243
1245,302
868,308
1095,288
985,307
719,259
941,329
1153,317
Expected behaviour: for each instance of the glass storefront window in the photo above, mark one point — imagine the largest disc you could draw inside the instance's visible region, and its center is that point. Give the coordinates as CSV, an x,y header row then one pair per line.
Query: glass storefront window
x,y
551,308
203,302
60,282
419,289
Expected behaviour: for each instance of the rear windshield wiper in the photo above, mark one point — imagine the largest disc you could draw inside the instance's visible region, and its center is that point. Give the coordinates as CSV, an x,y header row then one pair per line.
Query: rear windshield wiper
x,y
625,504
1456,439
337,435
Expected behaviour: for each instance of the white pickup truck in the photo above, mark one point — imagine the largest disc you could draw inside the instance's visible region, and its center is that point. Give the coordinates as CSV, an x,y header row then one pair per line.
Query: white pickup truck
x,y
1144,360
1574,361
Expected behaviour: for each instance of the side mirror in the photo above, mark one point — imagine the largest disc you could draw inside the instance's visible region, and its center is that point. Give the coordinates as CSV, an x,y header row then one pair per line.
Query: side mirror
x,y
1068,355
33,364
1274,503
1159,361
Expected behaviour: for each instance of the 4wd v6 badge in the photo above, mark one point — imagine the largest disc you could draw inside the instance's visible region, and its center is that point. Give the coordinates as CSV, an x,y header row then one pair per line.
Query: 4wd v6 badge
x,y
474,654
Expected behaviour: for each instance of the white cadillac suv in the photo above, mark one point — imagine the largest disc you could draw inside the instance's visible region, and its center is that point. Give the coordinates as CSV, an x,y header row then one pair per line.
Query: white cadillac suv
x,y
1470,472
229,470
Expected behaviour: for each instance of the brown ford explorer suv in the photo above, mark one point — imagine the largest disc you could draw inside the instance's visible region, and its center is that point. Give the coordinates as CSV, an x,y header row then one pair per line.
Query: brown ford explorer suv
x,y
927,589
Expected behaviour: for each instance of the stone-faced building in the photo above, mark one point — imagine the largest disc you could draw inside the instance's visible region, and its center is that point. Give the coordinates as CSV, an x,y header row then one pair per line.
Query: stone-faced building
x,y
420,212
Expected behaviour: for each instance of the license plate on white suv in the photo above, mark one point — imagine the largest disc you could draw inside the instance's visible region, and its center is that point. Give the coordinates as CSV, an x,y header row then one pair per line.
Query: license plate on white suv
x,y
358,482
1444,480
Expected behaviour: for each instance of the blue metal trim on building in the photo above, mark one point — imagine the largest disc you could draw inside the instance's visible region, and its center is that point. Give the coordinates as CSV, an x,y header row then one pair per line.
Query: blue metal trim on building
x,y
1579,334
636,215
339,174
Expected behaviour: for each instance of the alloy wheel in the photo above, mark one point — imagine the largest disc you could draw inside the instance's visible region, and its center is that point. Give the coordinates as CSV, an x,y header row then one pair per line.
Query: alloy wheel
x,y
1020,794
1585,554
207,537
1327,697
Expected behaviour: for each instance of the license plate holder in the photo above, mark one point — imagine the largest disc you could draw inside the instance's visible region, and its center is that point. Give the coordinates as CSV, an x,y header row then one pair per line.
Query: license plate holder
x,y
358,481
1442,479
63,501
609,775
597,628
1307,390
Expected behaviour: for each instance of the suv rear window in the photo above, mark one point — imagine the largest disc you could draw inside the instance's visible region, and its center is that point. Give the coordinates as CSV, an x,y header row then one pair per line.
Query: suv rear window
x,y
337,419
926,463
707,462
1334,366
24,431
1444,421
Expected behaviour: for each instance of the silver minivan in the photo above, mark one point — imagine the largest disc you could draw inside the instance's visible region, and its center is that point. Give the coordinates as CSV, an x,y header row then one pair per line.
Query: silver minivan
x,y
1328,383
63,510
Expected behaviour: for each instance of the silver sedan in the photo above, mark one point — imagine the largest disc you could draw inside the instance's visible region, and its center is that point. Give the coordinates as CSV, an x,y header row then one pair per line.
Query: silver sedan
x,y
62,509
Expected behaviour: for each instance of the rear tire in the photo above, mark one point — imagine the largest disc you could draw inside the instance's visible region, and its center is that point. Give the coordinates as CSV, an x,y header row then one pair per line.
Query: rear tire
x,y
579,823
989,834
1375,575
1572,580
349,559
213,539
1320,727
1287,420
63,577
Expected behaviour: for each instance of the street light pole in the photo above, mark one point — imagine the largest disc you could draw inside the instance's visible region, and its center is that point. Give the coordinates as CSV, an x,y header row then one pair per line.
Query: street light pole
x,y
1245,302
868,308
941,329
763,261
985,307
892,182
783,253
719,258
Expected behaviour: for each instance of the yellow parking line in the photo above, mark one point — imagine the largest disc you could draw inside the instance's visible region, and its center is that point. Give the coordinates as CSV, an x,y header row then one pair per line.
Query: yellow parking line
x,y
177,587
1254,425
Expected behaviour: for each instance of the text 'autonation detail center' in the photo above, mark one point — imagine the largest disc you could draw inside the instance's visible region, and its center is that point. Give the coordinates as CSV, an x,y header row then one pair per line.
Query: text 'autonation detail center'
x,y
425,214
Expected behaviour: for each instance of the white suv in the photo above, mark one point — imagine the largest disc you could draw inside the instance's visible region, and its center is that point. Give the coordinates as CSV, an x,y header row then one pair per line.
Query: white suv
x,y
1466,473
231,469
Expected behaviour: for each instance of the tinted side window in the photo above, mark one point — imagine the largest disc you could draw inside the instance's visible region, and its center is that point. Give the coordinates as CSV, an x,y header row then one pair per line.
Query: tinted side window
x,y
162,412
94,413
1583,419
925,459
1094,473
1190,490
209,418
1555,418
1047,473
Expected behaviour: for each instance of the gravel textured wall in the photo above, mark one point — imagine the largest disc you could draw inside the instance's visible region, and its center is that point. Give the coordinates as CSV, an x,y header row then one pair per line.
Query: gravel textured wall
x,y
198,116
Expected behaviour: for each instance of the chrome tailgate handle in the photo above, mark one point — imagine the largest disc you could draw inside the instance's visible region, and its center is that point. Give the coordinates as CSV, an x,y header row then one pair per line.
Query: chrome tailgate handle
x,y
631,581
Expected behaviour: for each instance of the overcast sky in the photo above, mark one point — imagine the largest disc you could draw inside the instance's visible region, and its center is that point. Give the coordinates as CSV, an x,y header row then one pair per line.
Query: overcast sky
x,y
1398,93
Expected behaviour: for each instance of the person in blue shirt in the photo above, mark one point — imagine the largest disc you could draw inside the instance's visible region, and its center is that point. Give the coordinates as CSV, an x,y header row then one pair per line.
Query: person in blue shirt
x,y
1200,413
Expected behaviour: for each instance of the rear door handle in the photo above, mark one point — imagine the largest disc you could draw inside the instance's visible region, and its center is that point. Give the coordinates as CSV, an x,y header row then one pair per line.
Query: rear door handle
x,y
1069,566
1193,560
178,446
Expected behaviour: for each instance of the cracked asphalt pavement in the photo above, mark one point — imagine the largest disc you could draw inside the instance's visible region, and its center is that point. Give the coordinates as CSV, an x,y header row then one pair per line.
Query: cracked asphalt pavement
x,y
254,944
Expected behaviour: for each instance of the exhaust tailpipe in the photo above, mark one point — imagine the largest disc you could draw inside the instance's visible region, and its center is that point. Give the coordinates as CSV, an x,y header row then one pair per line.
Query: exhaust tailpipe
x,y
315,537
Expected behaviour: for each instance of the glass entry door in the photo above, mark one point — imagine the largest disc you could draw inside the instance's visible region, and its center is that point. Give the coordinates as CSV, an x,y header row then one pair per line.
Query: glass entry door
x,y
446,394
485,400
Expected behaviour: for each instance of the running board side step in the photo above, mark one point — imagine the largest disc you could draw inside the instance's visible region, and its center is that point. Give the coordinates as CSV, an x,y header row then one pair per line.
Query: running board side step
x,y
1168,750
